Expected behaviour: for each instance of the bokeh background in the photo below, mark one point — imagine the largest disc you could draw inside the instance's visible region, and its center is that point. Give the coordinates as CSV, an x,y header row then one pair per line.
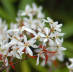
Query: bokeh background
x,y
59,10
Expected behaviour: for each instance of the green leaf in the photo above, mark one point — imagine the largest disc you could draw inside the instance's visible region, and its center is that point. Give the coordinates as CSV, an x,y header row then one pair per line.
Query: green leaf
x,y
37,68
25,66
8,7
3,14
61,69
25,2
68,29
69,51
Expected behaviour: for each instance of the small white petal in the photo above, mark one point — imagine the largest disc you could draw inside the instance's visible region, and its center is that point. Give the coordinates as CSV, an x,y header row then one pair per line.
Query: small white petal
x,y
28,50
37,60
47,30
41,34
28,30
62,48
25,38
45,40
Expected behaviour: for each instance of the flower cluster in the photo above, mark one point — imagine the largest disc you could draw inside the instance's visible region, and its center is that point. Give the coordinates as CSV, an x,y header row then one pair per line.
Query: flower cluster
x,y
33,35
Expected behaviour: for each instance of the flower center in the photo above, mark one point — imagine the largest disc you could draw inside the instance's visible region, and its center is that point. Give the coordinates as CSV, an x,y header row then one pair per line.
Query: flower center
x,y
47,36
26,44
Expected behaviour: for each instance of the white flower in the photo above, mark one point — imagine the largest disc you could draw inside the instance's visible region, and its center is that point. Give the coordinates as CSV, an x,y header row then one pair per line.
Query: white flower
x,y
35,24
26,12
17,51
27,44
49,20
38,11
24,28
53,25
56,26
45,35
70,67
52,43
3,37
60,54
59,41
13,26
3,31
32,11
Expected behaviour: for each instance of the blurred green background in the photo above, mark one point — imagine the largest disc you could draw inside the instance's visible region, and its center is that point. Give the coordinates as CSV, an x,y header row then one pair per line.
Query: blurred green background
x,y
59,10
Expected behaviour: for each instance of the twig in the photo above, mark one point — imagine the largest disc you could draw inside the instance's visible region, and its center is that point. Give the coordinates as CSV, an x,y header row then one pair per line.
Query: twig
x,y
4,67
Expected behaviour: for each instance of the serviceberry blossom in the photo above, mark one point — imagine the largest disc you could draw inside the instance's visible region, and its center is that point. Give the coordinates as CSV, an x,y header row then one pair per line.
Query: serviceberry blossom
x,y
32,36
52,40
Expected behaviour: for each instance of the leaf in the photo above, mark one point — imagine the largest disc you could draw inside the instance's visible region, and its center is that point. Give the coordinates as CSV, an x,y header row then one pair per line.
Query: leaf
x,y
68,29
17,68
3,14
8,8
61,69
69,51
37,68
25,66
25,2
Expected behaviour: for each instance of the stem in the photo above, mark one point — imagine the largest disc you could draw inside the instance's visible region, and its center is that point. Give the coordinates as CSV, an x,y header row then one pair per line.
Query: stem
x,y
6,67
